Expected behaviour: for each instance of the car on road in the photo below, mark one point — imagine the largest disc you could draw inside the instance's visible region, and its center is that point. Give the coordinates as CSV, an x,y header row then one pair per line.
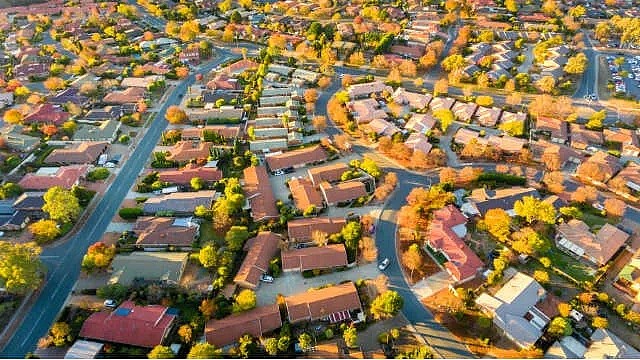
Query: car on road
x,y
384,264
110,303
278,173
266,278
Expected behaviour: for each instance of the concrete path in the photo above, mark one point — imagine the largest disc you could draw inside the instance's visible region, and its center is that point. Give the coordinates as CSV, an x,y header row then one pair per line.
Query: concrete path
x,y
432,284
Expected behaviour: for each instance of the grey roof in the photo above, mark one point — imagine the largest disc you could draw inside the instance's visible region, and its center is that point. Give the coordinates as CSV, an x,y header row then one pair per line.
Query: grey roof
x,y
503,202
6,207
606,345
566,348
83,349
180,202
150,266
29,200
103,131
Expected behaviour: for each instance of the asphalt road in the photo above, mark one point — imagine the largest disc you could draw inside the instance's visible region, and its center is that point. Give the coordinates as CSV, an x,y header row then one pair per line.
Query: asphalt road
x,y
63,260
587,83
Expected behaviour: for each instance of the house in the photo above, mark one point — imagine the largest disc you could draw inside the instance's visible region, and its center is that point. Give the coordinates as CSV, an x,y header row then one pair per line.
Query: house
x,y
420,123
315,258
628,279
542,149
239,67
507,144
359,91
366,110
343,192
296,158
47,114
184,151
129,324
464,111
566,347
418,142
111,112
259,194
260,250
190,56
413,52
445,234
16,140
83,349
26,71
98,131
488,117
83,153
165,267
330,173
600,167
223,82
202,133
208,174
162,233
629,176
557,129
132,95
268,145
626,137
48,177
179,203
141,82
508,116
441,103
256,322
581,137
301,230
69,95
334,303
382,127
514,309
414,100
464,136
226,112
270,133
606,345
482,200
30,203
305,194
10,218
308,77
575,238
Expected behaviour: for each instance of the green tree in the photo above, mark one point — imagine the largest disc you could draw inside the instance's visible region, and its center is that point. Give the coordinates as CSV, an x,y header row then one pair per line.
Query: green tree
x,y
61,333
350,336
271,346
204,351
161,352
236,237
446,118
20,267
284,342
387,305
351,233
61,204
596,121
453,62
559,327
497,223
245,300
533,209
10,190
208,256
197,183
306,341
112,291
370,167
44,230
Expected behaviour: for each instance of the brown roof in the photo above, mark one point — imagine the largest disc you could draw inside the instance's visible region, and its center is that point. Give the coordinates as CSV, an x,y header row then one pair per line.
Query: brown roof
x,y
296,158
194,133
556,127
342,192
330,173
608,164
254,322
65,176
259,193
83,153
128,96
317,304
302,229
581,137
164,231
183,176
189,150
305,194
261,250
598,247
324,257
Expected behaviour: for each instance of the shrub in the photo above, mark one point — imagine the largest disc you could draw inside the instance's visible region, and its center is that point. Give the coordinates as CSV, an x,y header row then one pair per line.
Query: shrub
x,y
98,174
130,213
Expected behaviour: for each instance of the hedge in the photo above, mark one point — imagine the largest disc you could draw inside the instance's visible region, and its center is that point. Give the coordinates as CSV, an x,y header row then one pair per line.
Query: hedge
x,y
130,213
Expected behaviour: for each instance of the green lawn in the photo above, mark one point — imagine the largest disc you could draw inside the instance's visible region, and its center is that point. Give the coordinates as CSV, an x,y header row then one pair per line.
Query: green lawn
x,y
569,265
208,234
437,255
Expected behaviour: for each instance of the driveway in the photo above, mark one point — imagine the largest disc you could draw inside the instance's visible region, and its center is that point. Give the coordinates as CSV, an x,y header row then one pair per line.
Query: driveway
x,y
432,284
293,282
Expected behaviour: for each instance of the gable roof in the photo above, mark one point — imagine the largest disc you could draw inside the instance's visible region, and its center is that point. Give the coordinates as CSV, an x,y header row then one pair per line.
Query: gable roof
x,y
485,199
415,100
606,345
304,194
189,150
608,165
83,153
126,96
165,231
144,326
261,250
259,193
317,304
359,90
47,114
255,322
303,229
64,176
418,142
330,173
559,129
183,176
342,192
421,123
296,158
227,131
148,265
323,257
179,202
600,246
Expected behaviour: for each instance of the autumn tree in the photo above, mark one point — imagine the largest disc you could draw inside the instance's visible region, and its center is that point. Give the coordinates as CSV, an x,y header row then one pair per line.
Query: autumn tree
x,y
497,222
412,258
441,87
21,269
428,60
533,209
546,84
161,352
320,238
541,276
208,256
13,116
600,322
61,205
554,181
99,255
311,95
319,123
584,194
445,117
394,76
245,300
615,207
528,241
448,175
175,115
203,351
54,84
453,62
408,68
49,130
560,327
44,230
186,333
387,305
208,308
60,333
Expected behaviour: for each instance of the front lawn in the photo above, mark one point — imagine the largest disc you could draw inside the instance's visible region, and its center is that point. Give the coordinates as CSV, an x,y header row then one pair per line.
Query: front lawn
x,y
208,234
570,266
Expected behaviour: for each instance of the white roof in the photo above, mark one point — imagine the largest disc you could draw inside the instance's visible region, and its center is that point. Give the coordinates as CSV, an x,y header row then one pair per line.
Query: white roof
x,y
83,349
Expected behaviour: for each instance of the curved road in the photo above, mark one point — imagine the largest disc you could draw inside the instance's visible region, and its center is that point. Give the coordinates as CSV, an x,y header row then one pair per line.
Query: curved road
x,y
63,260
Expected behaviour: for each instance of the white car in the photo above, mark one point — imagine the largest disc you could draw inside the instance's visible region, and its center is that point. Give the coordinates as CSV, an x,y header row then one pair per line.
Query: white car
x,y
110,303
266,278
384,264
278,173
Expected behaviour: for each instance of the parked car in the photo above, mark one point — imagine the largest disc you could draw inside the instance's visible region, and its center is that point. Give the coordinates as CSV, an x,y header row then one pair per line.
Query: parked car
x,y
384,264
266,278
110,303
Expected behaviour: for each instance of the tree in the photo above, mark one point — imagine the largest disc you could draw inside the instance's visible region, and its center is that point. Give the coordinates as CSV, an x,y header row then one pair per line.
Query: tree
x,y
440,87
599,322
559,327
320,238
448,175
49,130
585,194
13,116
394,76
182,72
208,307
44,230
245,300
236,237
99,255
541,276
357,58
20,267
351,233
498,223
428,60
61,205
528,241
203,351
350,336
484,100
554,181
408,68
576,64
61,333
446,118
412,258
197,183
387,304
271,346
186,333
564,309
319,123
511,5
54,84
311,95
161,352
208,256
453,62
546,84
305,341
175,115
615,207
596,121
483,80
10,190
533,209
370,167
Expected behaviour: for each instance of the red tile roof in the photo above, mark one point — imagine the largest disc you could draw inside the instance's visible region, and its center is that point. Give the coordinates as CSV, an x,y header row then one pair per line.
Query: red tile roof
x,y
258,191
83,153
254,322
183,176
261,250
161,231
302,229
128,96
195,133
305,194
144,326
330,173
65,176
189,150
317,304
342,192
324,257
47,114
296,158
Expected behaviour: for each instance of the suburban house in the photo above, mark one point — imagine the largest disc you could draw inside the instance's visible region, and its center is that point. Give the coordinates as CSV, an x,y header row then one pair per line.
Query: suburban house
x,y
604,344
516,309
305,194
209,174
83,349
129,324
296,158
179,203
184,151
260,250
358,91
200,133
256,322
162,233
464,111
268,145
414,100
482,200
382,127
69,95
132,95
47,114
628,279
556,129
488,116
445,235
301,230
48,177
106,130
575,238
628,139
420,123
366,110
165,267
330,173
334,303
418,142
600,167
30,203
581,137
315,258
441,103
630,176
82,153
141,82
17,140
343,192
10,218
259,194
565,155
228,112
